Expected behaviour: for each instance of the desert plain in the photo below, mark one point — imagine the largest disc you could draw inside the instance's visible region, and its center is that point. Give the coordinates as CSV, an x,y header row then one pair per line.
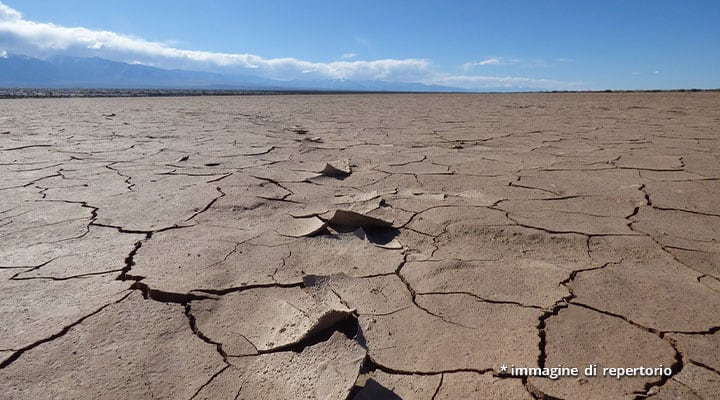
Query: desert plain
x,y
365,246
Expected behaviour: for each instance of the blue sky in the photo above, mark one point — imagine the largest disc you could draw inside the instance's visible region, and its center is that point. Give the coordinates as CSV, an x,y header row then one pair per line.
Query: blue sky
x,y
557,44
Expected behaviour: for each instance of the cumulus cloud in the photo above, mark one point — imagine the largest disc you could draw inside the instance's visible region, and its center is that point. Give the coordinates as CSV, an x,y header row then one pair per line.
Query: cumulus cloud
x,y
8,14
38,39
45,39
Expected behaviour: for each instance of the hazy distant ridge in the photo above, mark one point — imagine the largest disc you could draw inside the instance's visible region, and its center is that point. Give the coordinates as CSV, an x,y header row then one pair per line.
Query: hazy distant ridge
x,y
20,71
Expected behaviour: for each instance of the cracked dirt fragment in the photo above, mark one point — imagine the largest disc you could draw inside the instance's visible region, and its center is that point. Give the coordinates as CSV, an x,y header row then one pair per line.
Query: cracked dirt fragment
x,y
702,381
478,191
243,194
469,242
650,161
412,340
269,318
38,308
157,203
101,250
133,349
666,226
44,222
326,370
297,227
205,257
527,282
339,168
649,288
577,336
433,221
12,199
369,296
691,195
16,179
93,188
581,183
703,257
591,215
355,219
691,237
341,253
563,222
701,348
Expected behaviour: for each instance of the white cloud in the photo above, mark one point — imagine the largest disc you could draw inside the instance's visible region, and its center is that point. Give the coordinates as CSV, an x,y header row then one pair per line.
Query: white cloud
x,y
3,54
21,36
496,61
44,39
483,82
656,72
511,61
488,61
9,14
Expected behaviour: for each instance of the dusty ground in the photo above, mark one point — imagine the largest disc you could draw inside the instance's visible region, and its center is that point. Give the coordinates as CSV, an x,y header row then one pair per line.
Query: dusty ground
x,y
370,246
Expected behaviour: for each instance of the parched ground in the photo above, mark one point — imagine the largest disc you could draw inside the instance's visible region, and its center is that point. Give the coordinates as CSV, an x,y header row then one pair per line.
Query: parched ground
x,y
360,246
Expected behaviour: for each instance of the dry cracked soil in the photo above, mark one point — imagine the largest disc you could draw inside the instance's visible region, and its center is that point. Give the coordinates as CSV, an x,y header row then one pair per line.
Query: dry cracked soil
x,y
361,246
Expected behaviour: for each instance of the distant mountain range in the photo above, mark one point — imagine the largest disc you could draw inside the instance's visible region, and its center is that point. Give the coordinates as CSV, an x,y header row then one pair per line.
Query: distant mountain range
x,y
19,71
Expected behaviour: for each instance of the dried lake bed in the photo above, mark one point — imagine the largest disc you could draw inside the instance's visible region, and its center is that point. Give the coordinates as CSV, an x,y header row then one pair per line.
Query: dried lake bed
x,y
416,246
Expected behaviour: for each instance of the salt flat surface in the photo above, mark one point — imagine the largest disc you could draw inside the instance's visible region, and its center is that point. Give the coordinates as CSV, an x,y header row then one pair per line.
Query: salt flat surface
x,y
361,246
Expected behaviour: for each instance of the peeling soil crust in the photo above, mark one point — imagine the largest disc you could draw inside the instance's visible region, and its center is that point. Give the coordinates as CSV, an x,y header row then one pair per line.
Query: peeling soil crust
x,y
360,246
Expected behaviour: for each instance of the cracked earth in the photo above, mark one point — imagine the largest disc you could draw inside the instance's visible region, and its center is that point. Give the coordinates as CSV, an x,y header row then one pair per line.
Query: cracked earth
x,y
359,246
